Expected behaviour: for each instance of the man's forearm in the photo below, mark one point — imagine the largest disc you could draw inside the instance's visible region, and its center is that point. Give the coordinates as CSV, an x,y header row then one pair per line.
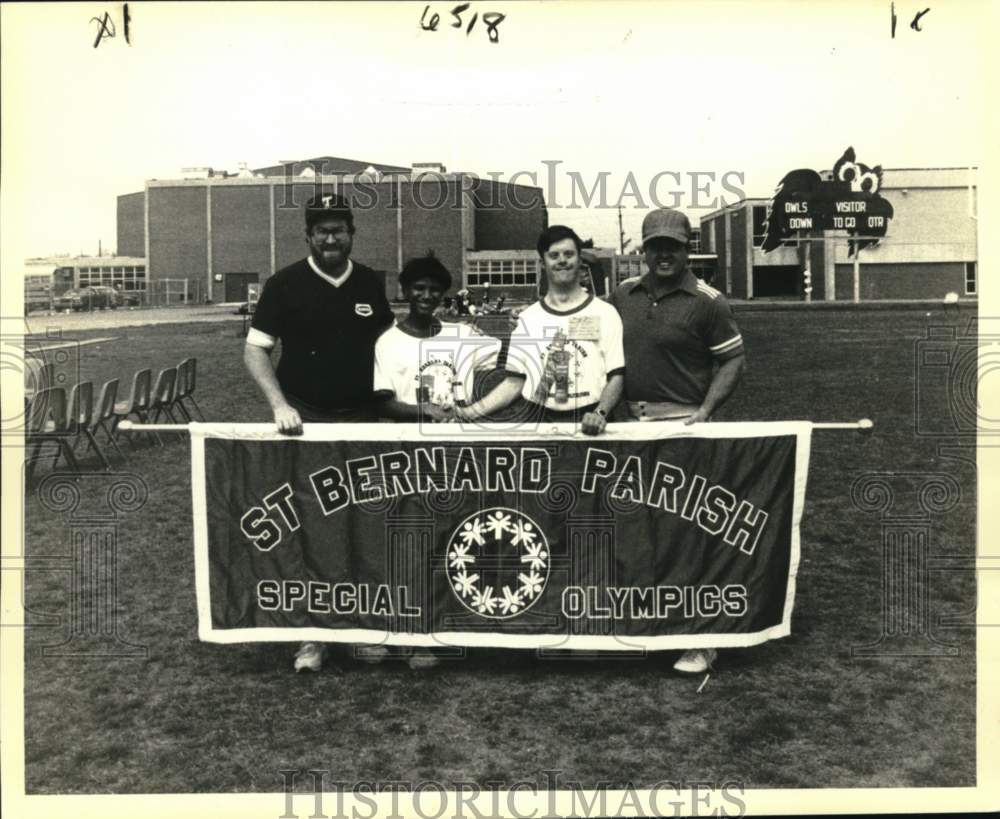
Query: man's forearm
x,y
399,410
258,364
611,394
501,396
723,383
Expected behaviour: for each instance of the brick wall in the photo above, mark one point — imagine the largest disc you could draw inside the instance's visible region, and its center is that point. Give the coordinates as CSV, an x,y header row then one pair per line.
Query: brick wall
x,y
902,281
740,223
508,217
241,232
131,222
725,277
178,234
290,224
432,222
375,219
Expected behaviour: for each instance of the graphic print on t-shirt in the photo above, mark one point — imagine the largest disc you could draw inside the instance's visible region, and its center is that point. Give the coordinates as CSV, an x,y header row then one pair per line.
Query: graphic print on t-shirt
x,y
561,363
438,382
438,370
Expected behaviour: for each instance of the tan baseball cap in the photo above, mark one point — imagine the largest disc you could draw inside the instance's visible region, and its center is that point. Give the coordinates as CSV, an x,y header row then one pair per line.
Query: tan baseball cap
x,y
668,223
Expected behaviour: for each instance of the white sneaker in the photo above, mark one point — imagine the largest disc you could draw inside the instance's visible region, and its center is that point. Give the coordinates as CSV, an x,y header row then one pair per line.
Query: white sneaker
x,y
696,661
371,654
421,659
309,657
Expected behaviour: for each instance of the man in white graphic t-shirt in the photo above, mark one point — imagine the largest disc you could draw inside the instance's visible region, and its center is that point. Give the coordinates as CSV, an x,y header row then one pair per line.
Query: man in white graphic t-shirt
x,y
565,359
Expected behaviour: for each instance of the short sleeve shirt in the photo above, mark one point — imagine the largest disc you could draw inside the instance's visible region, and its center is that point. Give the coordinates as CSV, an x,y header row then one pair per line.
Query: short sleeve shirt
x,y
438,370
566,356
673,343
327,333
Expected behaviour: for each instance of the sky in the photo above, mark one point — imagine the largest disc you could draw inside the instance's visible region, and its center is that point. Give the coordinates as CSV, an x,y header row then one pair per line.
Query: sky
x,y
753,89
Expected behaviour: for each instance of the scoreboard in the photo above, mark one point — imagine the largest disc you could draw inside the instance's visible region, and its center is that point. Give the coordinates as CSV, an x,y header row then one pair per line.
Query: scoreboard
x,y
850,201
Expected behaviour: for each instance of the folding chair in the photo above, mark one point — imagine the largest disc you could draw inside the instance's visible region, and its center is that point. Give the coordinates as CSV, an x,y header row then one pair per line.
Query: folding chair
x,y
48,421
186,371
81,413
106,412
164,395
38,375
136,404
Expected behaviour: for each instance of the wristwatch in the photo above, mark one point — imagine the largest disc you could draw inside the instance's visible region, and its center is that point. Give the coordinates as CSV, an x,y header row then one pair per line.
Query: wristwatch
x,y
602,413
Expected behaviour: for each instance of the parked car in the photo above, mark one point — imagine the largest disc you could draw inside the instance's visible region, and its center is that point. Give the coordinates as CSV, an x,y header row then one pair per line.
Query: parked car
x,y
87,298
36,301
112,298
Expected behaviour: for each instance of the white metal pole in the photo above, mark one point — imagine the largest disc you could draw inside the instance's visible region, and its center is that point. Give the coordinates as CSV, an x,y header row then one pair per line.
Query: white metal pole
x,y
857,274
807,272
863,424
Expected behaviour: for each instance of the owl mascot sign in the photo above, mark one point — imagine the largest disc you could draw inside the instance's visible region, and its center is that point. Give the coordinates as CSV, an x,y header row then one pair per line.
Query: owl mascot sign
x,y
848,201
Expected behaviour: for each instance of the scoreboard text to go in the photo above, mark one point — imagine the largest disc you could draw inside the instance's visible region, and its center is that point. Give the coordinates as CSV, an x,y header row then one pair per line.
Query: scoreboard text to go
x,y
843,215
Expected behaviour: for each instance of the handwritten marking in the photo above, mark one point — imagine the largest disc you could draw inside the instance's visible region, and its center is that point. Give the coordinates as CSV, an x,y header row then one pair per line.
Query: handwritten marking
x,y
893,9
106,26
492,19
103,32
432,26
915,25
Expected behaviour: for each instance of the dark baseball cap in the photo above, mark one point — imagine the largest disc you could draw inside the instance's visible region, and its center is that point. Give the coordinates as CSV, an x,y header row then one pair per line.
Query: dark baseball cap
x,y
667,223
328,205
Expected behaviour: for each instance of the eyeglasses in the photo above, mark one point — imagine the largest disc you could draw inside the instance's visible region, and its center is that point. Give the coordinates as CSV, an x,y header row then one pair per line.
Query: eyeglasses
x,y
323,233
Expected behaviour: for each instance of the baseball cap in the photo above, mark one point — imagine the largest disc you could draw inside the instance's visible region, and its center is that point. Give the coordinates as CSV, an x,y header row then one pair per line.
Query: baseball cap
x,y
326,205
666,222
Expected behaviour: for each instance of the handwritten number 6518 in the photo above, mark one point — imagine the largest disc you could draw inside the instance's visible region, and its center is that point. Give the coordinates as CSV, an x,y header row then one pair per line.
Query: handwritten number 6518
x,y
491,18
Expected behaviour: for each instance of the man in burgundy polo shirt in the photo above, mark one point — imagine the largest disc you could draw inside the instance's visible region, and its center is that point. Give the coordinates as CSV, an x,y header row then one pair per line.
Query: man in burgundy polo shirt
x,y
683,350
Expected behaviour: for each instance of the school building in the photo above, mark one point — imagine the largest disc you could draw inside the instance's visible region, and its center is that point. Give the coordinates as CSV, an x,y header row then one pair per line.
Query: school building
x,y
223,232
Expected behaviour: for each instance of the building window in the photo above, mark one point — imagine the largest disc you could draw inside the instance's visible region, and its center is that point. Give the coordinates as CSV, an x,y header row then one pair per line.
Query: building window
x,y
759,219
500,272
970,278
695,244
709,243
123,278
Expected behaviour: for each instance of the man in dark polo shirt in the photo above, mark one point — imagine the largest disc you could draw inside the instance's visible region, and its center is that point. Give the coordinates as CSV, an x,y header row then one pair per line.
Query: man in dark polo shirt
x,y
328,311
683,350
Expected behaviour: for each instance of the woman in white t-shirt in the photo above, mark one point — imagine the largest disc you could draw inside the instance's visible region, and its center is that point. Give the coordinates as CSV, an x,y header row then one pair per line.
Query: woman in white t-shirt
x,y
565,358
424,368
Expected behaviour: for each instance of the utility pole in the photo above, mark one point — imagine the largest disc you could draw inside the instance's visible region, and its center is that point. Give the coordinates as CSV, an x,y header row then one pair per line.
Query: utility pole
x,y
621,233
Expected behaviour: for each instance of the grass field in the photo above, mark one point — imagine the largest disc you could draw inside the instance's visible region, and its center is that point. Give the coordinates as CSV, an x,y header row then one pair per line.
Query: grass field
x,y
798,712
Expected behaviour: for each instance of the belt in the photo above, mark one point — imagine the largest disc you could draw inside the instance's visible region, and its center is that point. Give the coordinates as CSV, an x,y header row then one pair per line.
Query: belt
x,y
314,414
659,410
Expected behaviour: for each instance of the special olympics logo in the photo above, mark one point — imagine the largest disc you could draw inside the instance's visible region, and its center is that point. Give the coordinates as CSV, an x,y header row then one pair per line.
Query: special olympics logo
x,y
498,563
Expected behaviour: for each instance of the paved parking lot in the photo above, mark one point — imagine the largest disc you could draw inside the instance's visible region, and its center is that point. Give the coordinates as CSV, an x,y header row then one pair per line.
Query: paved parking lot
x,y
40,323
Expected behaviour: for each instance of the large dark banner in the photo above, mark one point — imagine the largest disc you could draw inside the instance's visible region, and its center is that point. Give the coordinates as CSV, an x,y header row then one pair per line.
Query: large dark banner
x,y
653,535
